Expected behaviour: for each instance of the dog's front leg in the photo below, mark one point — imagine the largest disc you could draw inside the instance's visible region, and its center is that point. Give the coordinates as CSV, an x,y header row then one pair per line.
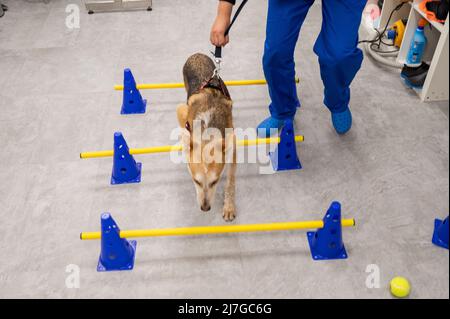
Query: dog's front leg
x,y
229,207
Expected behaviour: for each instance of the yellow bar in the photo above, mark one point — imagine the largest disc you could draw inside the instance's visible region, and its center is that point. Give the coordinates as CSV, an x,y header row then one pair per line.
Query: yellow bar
x,y
177,148
261,141
208,230
157,86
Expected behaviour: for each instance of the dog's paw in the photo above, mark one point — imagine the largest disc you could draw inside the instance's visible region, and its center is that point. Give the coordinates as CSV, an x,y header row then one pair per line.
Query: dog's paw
x,y
229,213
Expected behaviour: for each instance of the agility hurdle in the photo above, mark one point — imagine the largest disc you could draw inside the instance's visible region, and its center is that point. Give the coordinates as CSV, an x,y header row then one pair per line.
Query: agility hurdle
x,y
162,86
215,230
117,253
133,103
440,234
179,148
126,170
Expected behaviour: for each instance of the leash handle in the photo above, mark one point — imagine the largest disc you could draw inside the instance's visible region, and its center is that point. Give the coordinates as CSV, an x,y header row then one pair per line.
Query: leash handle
x,y
218,52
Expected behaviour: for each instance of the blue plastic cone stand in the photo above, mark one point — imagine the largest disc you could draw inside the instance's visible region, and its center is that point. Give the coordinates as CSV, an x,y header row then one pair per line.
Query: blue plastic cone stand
x,y
440,235
133,103
326,243
285,156
125,168
116,253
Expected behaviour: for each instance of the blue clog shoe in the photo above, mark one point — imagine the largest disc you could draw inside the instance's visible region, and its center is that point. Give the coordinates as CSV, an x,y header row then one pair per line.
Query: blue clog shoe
x,y
269,124
342,122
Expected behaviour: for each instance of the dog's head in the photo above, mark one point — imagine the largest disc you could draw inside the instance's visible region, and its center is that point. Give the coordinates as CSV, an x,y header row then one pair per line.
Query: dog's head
x,y
207,152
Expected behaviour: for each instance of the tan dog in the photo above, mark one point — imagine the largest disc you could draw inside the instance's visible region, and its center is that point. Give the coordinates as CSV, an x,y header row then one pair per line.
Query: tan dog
x,y
208,108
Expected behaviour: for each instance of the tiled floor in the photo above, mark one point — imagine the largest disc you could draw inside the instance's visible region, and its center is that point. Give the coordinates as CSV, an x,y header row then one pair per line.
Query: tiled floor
x,y
56,100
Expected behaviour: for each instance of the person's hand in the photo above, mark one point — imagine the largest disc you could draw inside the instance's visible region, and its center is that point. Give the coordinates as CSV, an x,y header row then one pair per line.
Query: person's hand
x,y
219,27
221,24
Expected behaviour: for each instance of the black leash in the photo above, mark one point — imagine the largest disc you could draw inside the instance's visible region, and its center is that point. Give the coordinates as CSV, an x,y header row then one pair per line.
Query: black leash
x,y
218,52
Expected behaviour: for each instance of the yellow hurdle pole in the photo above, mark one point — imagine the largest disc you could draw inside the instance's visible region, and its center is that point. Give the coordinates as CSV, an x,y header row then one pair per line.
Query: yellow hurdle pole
x,y
177,148
157,86
209,230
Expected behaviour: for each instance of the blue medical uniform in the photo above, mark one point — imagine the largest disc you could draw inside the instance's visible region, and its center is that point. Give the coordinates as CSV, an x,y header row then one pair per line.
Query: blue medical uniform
x,y
336,46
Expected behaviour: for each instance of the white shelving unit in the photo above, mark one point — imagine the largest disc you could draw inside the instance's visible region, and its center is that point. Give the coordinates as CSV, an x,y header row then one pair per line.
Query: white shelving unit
x,y
117,5
436,85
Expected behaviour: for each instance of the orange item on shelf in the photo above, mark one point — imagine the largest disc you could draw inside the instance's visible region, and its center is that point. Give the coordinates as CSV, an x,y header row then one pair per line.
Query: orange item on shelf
x,y
422,23
430,15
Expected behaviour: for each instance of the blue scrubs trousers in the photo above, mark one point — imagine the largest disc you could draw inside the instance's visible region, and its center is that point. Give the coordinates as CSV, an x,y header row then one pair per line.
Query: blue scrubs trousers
x,y
336,46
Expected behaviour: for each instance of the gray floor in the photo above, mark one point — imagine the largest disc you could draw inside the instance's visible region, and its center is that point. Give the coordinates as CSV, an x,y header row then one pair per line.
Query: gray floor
x,y
391,172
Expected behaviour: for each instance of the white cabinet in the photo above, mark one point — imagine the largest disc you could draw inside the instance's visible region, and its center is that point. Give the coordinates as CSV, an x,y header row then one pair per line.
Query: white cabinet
x,y
117,5
436,85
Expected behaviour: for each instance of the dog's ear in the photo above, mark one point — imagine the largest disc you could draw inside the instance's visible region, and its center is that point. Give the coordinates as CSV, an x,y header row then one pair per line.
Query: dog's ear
x,y
186,140
182,112
190,147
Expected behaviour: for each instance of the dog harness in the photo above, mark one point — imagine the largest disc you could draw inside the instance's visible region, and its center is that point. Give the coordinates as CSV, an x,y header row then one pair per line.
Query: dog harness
x,y
214,82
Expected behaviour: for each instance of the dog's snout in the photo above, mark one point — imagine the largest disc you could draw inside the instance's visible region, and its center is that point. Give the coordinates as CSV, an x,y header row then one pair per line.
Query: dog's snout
x,y
206,207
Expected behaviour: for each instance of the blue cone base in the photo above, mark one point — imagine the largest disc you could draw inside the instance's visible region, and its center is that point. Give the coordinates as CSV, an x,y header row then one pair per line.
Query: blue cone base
x,y
129,266
436,240
140,109
317,256
284,165
115,181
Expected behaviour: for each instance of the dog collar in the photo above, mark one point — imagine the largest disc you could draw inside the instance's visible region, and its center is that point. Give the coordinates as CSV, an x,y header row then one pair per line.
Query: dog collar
x,y
215,82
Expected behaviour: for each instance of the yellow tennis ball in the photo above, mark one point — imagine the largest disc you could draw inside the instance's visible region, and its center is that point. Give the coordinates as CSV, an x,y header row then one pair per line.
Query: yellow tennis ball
x,y
400,287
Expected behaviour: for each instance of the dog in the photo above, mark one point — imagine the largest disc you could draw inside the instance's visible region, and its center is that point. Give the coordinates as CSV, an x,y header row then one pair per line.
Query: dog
x,y
208,108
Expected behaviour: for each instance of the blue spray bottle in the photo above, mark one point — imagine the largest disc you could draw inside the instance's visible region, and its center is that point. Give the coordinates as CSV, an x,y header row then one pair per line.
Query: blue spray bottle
x,y
417,48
